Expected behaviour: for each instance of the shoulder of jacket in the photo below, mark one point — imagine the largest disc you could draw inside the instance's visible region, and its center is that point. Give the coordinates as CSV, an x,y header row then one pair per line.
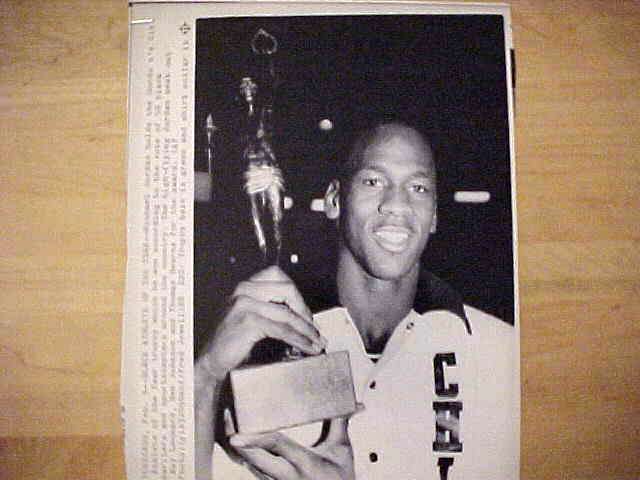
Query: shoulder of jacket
x,y
484,324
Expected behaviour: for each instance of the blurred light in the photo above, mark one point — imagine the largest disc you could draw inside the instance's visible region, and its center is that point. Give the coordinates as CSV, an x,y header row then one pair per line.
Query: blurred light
x,y
288,203
472,197
325,125
317,205
294,258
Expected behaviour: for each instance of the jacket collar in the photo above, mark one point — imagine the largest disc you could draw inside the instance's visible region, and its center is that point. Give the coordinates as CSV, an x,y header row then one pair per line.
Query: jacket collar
x,y
432,293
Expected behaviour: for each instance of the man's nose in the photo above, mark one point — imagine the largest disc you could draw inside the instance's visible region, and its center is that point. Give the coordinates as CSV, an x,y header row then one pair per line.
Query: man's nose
x,y
395,201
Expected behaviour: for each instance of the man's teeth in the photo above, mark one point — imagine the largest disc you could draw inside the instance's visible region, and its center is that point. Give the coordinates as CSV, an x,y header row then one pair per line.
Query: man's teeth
x,y
392,236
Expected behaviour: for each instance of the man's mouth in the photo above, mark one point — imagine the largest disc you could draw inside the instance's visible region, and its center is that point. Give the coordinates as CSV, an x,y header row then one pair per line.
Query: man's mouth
x,y
392,238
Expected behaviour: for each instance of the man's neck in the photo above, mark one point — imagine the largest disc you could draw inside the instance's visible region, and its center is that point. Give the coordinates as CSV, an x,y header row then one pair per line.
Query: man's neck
x,y
376,306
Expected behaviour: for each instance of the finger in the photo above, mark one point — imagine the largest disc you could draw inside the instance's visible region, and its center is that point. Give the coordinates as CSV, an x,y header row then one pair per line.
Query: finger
x,y
262,461
282,331
257,473
338,427
276,291
338,430
301,458
277,276
282,314
272,273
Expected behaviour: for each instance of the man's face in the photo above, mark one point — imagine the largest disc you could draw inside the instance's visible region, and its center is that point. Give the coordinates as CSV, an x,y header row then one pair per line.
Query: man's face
x,y
387,211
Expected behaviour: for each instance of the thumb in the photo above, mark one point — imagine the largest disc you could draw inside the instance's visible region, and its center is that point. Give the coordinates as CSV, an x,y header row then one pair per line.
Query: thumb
x,y
338,426
270,274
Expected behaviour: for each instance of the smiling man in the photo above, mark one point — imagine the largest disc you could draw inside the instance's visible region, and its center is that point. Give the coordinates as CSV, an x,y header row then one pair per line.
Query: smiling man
x,y
385,202
435,376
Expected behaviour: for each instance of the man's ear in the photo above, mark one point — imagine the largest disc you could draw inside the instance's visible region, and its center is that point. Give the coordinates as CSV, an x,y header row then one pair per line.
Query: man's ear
x,y
434,222
332,200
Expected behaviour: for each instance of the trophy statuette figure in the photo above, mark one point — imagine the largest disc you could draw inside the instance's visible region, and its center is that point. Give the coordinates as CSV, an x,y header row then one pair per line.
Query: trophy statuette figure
x,y
293,390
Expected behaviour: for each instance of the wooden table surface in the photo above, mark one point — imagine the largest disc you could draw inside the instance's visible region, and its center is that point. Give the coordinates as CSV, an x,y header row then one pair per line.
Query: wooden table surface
x,y
63,85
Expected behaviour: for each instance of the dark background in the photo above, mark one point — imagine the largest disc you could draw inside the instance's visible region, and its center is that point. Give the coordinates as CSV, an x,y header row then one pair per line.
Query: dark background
x,y
444,75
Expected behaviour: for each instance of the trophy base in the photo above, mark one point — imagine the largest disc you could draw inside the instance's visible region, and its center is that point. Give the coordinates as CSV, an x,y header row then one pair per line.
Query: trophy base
x,y
286,394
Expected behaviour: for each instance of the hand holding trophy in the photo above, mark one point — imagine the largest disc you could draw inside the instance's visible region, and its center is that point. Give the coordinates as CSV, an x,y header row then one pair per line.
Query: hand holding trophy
x,y
304,389
266,342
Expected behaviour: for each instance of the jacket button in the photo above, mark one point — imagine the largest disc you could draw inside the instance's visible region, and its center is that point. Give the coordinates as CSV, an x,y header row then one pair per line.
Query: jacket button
x,y
372,385
373,456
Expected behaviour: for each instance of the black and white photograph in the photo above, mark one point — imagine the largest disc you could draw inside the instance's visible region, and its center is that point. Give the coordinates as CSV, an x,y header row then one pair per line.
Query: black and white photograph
x,y
355,299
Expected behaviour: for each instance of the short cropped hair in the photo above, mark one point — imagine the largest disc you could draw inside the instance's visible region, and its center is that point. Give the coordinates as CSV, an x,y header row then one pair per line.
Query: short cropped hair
x,y
377,134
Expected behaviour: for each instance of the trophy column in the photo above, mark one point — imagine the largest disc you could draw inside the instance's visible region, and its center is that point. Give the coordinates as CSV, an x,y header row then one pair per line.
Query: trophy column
x,y
303,389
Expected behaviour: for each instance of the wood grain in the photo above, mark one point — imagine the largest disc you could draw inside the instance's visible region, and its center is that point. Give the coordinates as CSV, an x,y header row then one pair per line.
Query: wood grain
x,y
63,91
63,75
578,112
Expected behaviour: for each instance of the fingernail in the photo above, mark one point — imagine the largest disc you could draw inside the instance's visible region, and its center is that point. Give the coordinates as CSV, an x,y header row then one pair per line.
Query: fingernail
x,y
237,441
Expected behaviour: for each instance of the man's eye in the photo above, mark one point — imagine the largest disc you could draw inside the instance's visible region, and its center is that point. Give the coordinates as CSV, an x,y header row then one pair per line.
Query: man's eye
x,y
372,182
420,188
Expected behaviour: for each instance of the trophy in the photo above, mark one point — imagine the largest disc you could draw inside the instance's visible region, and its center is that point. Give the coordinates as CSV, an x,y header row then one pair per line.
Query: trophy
x,y
289,389
264,183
